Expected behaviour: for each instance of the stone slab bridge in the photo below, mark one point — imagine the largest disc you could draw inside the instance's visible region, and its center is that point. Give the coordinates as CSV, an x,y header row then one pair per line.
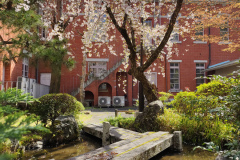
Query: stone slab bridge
x,y
123,144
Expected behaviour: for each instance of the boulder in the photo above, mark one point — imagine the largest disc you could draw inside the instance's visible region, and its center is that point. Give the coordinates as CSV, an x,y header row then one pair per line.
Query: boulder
x,y
146,121
220,157
65,130
38,145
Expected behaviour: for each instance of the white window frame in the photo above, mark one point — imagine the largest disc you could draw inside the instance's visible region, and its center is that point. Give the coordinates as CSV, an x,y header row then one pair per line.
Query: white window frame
x,y
94,70
201,68
175,67
25,67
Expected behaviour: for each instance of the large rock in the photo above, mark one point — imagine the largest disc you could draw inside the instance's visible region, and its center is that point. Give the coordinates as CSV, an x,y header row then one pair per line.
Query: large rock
x,y
147,120
220,157
65,130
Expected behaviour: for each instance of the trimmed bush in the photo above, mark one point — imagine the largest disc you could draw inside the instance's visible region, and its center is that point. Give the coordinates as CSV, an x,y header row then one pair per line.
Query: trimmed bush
x,y
50,106
218,86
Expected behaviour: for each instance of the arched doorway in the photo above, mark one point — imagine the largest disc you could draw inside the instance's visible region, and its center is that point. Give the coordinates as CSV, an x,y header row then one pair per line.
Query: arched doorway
x,y
105,89
89,98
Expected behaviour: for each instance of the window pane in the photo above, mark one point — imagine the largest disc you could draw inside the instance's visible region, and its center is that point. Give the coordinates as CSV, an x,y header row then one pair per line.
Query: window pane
x,y
176,86
198,71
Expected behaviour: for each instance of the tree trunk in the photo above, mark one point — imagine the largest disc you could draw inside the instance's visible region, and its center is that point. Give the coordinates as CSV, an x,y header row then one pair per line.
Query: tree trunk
x,y
82,79
55,78
148,89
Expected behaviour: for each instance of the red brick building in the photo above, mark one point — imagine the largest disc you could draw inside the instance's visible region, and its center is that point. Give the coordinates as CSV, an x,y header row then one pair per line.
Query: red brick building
x,y
105,75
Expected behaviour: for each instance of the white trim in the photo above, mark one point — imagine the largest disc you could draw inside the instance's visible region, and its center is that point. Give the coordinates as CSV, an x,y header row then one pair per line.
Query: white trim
x,y
174,61
97,59
200,61
200,42
175,67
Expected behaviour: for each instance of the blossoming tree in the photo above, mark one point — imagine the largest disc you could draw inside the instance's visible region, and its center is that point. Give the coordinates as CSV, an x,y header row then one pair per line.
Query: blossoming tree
x,y
128,17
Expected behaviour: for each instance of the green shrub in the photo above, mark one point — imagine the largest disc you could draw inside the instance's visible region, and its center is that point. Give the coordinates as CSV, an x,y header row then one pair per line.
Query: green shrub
x,y
122,122
51,106
184,101
164,96
218,86
13,96
196,131
13,125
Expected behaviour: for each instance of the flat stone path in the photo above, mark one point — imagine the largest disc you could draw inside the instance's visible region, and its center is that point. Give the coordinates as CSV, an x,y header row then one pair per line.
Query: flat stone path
x,y
99,114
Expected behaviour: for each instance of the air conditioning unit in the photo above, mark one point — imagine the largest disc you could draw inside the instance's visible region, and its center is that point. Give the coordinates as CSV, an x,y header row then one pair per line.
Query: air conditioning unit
x,y
104,101
118,101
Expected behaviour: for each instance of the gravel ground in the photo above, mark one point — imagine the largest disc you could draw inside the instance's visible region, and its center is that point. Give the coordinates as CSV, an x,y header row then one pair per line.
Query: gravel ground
x,y
99,114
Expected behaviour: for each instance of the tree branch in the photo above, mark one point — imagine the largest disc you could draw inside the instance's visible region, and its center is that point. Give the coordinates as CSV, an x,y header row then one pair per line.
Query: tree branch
x,y
5,43
124,21
125,35
158,50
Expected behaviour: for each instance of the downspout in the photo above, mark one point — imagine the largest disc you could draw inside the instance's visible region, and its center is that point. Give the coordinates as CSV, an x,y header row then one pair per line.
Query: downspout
x,y
209,48
36,72
3,76
166,72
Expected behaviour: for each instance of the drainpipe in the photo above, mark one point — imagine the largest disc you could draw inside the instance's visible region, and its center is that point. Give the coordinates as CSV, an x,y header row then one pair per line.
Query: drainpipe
x,y
166,72
209,48
36,72
3,76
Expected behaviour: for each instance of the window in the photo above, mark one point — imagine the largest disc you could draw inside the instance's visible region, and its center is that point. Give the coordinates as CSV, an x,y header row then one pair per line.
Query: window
x,y
174,76
152,77
99,30
199,31
45,79
96,69
224,32
25,64
199,74
175,33
148,26
103,87
42,30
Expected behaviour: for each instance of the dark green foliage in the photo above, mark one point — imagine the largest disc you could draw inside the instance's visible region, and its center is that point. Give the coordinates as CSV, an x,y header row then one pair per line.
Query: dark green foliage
x,y
51,106
13,96
13,125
